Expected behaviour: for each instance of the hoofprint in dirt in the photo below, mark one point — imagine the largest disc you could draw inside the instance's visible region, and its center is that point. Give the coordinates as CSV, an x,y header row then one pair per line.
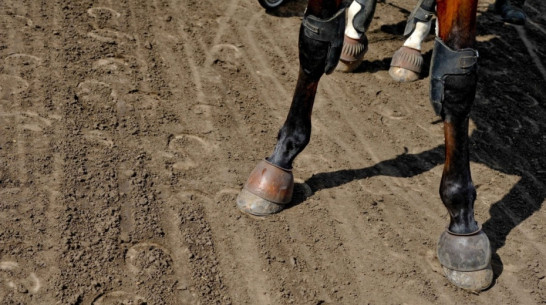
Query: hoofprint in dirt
x,y
127,128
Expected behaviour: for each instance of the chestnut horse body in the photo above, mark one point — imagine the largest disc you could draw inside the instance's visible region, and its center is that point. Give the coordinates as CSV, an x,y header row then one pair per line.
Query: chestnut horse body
x,y
463,249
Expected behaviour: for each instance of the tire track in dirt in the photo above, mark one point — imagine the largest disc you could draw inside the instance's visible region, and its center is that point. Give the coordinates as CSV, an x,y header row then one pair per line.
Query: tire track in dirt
x,y
25,110
164,75
54,181
92,215
209,98
153,263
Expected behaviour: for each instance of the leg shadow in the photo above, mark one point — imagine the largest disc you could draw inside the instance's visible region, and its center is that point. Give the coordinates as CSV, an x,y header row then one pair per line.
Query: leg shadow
x,y
514,208
404,165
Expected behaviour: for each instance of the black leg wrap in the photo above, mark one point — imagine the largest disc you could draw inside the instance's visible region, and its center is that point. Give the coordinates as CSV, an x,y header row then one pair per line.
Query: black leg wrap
x,y
330,33
363,18
453,73
424,11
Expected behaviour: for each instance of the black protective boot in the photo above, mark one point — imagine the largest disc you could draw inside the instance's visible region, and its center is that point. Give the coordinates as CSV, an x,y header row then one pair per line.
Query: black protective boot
x,y
510,13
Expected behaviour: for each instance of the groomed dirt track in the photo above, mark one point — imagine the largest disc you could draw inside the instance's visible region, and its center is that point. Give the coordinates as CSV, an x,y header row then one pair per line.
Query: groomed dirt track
x,y
128,127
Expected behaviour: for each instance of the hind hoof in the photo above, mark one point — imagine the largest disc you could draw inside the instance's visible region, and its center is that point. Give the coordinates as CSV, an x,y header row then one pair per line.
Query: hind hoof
x,y
402,75
352,53
512,14
406,65
474,281
257,206
348,67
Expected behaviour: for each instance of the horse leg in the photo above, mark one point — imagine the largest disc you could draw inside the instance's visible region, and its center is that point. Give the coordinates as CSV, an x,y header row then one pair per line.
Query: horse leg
x,y
270,185
407,61
355,42
463,249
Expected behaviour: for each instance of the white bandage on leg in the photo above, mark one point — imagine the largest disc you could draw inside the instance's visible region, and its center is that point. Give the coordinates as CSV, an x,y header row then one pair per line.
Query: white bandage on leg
x,y
350,31
416,38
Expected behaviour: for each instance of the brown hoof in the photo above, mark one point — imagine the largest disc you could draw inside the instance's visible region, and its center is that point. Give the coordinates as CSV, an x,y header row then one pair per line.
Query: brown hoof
x,y
257,206
268,189
466,259
406,65
352,53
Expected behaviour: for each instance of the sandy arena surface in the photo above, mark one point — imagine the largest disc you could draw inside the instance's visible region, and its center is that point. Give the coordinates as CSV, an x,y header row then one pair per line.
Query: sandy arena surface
x,y
128,127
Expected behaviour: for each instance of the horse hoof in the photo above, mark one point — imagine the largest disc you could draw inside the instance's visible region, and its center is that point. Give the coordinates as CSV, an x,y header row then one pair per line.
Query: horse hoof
x,y
257,206
406,65
402,75
352,53
347,67
474,281
512,14
466,259
268,189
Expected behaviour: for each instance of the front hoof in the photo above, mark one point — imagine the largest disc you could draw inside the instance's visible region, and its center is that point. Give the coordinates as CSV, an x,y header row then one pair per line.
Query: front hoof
x,y
257,206
406,65
474,281
268,189
466,259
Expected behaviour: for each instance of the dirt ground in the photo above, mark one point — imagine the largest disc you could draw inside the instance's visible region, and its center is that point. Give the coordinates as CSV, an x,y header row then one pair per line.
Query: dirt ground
x,y
128,127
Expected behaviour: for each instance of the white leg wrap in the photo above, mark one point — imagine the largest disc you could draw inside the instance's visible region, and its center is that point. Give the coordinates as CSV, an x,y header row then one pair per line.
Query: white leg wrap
x,y
416,38
350,31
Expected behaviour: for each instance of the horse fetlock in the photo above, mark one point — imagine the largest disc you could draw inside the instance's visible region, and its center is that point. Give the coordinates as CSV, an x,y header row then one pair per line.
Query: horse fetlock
x,y
321,41
457,195
423,12
458,198
453,79
290,142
